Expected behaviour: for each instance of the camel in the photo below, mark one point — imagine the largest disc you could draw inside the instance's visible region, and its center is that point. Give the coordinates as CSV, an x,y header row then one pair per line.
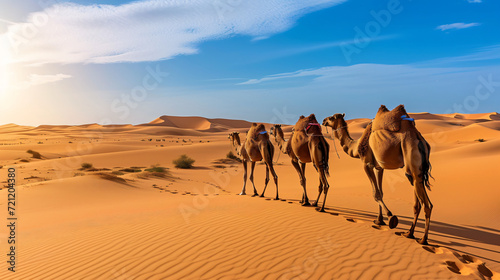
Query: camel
x,y
257,147
306,144
391,141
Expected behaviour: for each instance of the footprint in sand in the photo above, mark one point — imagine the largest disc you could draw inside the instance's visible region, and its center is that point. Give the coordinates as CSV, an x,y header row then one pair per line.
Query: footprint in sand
x,y
380,228
352,220
452,266
471,259
433,249
484,270
334,214
459,268
290,202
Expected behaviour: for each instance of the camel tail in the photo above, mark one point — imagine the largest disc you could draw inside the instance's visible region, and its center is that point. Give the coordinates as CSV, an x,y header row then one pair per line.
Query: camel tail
x,y
425,149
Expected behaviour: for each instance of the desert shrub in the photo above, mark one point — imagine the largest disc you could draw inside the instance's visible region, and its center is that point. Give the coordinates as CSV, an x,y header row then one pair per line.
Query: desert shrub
x,y
480,140
34,154
118,173
184,162
231,155
86,165
112,177
24,160
157,169
130,170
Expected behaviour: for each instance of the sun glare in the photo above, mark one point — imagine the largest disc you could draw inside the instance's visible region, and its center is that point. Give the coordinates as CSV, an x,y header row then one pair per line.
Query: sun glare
x,y
5,60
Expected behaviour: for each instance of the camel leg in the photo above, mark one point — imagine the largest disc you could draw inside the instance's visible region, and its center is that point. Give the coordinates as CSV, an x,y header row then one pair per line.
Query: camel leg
x,y
413,160
320,191
267,180
244,178
251,178
301,172
425,201
306,199
393,220
376,193
275,178
416,211
325,188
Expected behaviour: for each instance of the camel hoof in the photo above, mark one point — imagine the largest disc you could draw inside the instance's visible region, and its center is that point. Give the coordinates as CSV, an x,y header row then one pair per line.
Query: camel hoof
x,y
262,195
393,222
315,204
242,194
277,198
379,222
422,241
255,194
306,203
408,235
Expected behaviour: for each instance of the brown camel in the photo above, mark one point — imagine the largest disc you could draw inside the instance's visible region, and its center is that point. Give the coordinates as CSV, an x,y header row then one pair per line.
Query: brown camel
x,y
391,141
257,147
307,144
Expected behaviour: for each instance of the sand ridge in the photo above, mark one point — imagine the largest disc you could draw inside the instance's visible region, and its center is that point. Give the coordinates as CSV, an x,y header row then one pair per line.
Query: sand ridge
x,y
191,224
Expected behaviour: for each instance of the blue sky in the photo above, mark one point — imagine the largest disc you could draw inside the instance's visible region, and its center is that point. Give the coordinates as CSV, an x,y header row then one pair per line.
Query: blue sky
x,y
73,62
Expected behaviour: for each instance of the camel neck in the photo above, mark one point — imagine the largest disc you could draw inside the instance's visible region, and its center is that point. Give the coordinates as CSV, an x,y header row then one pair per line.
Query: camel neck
x,y
345,139
237,146
281,141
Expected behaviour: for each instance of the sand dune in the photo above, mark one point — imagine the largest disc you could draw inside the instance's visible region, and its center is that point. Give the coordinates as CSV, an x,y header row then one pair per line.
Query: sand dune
x,y
119,221
198,123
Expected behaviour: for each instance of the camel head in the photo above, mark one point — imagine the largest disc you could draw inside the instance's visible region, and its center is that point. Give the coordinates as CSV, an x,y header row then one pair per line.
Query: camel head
x,y
234,137
335,122
276,131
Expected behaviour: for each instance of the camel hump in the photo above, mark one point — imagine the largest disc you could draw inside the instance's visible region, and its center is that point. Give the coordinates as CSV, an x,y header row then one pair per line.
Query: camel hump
x,y
382,109
312,118
304,122
389,120
256,129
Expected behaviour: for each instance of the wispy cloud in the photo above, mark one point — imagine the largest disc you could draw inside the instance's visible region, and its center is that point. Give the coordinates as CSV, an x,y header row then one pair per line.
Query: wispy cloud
x,y
322,46
362,75
481,54
148,30
458,25
475,1
36,79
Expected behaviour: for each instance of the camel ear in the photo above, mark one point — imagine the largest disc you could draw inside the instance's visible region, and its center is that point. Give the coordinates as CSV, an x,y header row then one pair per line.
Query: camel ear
x,y
343,115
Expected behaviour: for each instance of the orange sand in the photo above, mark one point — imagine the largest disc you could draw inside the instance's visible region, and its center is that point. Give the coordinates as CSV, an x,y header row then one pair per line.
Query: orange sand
x,y
75,224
